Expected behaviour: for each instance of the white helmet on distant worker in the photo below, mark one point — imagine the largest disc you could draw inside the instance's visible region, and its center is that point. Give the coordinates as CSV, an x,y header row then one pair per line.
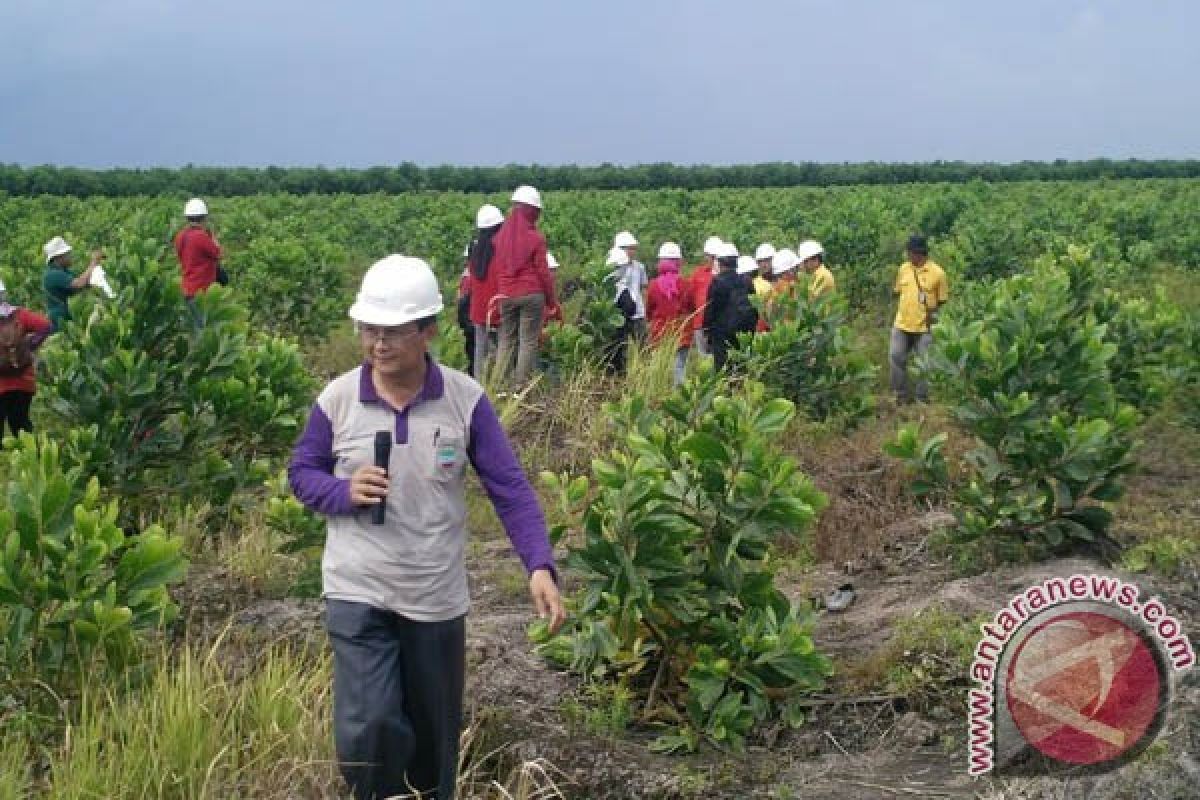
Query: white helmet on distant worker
x,y
713,246
728,250
55,247
195,208
616,258
783,261
551,261
746,265
527,195
488,216
670,250
808,249
625,239
397,289
764,252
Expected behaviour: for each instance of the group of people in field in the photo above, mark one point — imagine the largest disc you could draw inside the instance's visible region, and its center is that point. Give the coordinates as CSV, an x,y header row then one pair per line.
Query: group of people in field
x,y
23,331
507,294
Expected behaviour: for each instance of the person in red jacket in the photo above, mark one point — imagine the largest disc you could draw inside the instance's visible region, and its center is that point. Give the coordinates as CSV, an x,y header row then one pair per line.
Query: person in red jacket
x,y
198,250
698,284
484,276
669,306
21,332
526,288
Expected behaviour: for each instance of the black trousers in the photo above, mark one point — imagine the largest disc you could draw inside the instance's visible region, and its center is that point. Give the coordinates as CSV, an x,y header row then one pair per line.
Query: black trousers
x,y
14,412
397,700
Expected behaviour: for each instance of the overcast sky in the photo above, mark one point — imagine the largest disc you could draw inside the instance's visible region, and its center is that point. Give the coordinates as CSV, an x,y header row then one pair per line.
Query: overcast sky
x,y
362,82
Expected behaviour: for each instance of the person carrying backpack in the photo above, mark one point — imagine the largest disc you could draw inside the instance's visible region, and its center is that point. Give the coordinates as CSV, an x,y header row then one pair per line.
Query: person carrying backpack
x,y
21,332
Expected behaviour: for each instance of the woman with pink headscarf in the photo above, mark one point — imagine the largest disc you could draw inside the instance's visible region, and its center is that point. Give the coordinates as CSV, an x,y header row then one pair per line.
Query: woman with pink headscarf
x,y
669,307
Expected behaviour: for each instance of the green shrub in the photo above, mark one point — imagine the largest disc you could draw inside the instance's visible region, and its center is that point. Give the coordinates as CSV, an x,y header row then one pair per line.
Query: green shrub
x,y
678,599
1029,375
923,458
808,357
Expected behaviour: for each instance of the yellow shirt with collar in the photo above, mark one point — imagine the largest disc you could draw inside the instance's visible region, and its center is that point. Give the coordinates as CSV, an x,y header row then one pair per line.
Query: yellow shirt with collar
x,y
910,314
822,282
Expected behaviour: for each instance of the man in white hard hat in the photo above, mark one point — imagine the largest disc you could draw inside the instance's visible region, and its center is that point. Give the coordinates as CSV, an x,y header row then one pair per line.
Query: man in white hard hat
x,y
59,283
198,251
394,578
633,279
728,310
762,281
698,284
812,260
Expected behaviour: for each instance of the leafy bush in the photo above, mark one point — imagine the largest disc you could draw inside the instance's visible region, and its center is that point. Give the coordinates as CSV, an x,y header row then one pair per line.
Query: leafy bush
x,y
163,410
573,345
923,458
678,599
76,591
808,357
294,285
1030,378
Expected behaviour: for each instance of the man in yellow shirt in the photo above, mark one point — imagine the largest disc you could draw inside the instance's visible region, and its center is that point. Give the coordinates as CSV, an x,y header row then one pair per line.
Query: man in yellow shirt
x,y
812,261
922,290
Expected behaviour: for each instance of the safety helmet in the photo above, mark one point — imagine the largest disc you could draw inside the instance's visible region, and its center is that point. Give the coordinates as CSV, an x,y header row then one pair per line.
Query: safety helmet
x,y
616,258
55,247
625,239
195,208
746,264
551,261
488,216
713,246
783,261
808,249
397,289
669,250
527,195
728,250
764,252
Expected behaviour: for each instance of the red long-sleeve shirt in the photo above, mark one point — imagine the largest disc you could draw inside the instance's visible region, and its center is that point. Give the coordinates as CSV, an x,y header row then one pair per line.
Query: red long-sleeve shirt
x,y
34,323
698,283
199,255
669,315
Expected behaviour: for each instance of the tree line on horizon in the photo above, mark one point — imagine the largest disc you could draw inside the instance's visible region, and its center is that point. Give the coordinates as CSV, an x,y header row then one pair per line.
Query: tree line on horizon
x,y
408,177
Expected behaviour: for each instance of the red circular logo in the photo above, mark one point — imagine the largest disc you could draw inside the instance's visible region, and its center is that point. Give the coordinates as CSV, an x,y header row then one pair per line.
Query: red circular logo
x,y
1084,688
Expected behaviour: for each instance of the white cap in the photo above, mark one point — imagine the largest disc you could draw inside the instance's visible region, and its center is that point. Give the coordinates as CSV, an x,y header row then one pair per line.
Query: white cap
x,y
616,258
746,264
764,252
808,249
669,250
624,239
488,216
55,247
783,261
713,246
527,195
728,250
551,261
396,290
195,208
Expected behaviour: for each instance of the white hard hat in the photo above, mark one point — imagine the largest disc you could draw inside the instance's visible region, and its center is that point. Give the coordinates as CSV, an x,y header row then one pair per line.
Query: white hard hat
x,y
669,250
488,216
195,208
55,247
808,249
746,264
783,261
616,258
396,290
728,250
624,239
527,195
713,246
764,252
551,261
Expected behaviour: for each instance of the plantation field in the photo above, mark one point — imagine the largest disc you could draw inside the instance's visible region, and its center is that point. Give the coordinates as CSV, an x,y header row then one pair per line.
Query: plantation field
x,y
161,636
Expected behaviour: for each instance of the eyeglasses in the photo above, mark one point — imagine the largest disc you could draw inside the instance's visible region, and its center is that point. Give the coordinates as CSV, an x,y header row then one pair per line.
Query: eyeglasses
x,y
387,335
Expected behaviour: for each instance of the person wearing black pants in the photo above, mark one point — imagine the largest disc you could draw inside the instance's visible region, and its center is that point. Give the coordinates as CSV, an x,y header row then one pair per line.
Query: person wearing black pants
x,y
14,412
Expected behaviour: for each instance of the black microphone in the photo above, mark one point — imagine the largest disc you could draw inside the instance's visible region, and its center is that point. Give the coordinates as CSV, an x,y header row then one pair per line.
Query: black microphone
x,y
383,455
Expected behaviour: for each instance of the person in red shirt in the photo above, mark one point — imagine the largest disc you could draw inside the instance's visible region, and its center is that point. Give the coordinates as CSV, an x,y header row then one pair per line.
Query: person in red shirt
x,y
526,288
21,332
198,250
698,284
669,306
